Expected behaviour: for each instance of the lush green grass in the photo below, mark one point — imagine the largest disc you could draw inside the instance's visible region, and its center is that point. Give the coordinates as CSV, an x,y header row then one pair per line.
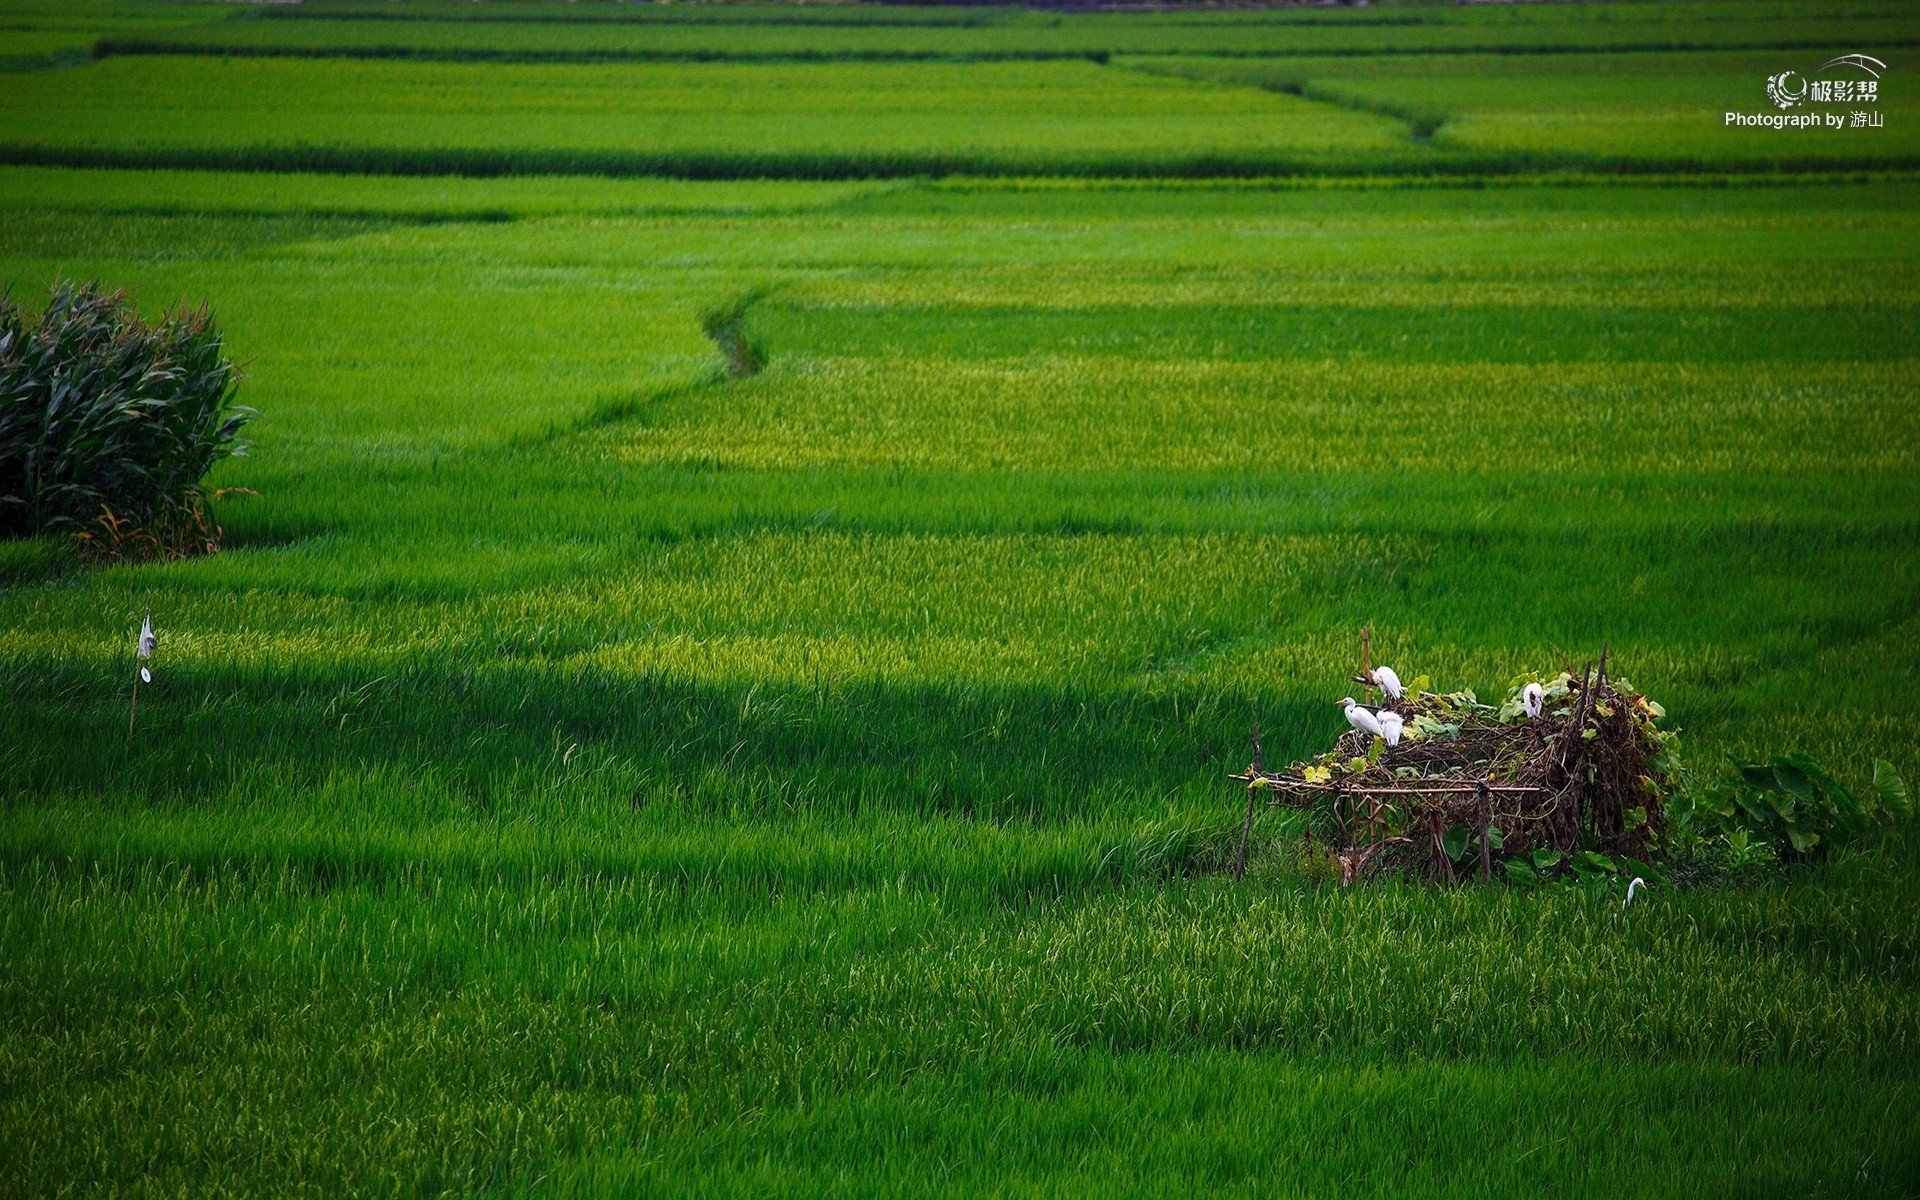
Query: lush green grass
x,y
1667,112
35,193
720,120
1185,97
600,33
37,34
589,773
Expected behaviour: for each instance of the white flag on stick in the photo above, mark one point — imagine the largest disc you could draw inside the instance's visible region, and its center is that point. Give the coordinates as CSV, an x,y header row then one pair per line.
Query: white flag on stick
x,y
144,650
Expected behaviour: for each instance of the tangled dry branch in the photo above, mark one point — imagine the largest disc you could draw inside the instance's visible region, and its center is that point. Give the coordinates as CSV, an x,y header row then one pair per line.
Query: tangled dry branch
x,y
1473,785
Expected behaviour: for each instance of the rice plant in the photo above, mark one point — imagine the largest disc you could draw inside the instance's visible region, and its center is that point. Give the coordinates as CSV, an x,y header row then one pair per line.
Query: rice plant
x,y
589,772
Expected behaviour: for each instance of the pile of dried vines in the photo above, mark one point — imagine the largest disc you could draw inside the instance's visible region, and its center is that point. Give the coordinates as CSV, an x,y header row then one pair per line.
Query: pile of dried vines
x,y
1584,775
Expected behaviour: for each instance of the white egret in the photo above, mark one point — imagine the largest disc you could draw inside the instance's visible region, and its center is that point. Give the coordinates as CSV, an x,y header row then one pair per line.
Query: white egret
x,y
1390,725
1631,888
1362,719
1533,698
1388,682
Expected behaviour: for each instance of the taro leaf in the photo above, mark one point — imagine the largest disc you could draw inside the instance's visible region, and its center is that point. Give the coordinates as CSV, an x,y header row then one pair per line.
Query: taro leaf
x,y
1682,807
1761,805
1455,840
1519,872
1646,870
1830,795
1718,802
1495,839
1545,859
1803,840
1891,790
1589,861
1838,799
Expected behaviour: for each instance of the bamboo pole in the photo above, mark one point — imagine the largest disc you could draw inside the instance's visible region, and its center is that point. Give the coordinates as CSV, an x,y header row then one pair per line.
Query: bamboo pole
x,y
1366,663
1462,789
1253,787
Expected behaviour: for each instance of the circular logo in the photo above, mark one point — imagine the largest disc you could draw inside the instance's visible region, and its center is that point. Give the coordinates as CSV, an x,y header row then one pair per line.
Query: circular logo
x,y
1781,91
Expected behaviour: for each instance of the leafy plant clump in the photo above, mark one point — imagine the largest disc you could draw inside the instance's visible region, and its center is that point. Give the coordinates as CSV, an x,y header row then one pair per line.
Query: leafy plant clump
x,y
1787,810
109,424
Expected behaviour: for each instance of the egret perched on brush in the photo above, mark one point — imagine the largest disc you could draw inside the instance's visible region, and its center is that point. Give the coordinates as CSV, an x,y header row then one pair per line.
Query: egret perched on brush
x,y
1533,698
1390,725
1388,682
1362,719
1631,888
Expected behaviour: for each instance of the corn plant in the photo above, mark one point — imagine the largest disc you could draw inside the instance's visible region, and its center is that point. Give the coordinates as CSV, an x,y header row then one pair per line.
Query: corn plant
x,y
109,424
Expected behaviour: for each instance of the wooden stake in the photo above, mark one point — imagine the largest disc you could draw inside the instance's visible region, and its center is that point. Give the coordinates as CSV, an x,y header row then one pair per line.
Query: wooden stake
x,y
1253,789
1366,663
1486,824
135,706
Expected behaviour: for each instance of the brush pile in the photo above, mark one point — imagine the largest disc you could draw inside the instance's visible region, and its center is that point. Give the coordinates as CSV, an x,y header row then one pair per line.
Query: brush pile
x,y
1577,787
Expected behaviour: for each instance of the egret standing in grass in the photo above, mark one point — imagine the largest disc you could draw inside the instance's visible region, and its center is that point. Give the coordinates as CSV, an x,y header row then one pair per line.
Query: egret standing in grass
x,y
1362,719
1533,698
1637,884
1390,725
1388,682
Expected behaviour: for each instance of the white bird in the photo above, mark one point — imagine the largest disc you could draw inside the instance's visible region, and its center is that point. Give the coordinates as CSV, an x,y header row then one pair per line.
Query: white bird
x,y
1388,682
1533,698
146,635
1362,719
1390,725
1631,888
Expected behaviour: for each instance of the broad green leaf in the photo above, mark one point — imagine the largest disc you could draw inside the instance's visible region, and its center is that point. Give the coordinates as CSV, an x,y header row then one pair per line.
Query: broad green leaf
x,y
1891,790
1796,782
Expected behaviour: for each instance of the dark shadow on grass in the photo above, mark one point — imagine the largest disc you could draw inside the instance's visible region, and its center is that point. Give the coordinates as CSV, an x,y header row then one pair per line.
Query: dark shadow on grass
x,y
28,561
492,725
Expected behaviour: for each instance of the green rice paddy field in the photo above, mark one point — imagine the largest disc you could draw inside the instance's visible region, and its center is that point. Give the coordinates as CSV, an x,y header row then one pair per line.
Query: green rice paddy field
x,y
771,525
